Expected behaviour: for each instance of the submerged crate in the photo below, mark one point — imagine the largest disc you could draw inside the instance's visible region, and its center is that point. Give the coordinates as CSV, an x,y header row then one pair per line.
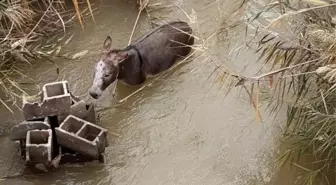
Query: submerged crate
x,y
39,146
19,132
56,100
82,110
82,136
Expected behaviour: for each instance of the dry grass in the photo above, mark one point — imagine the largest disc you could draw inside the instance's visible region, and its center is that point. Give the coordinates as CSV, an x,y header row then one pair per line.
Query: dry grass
x,y
23,25
303,67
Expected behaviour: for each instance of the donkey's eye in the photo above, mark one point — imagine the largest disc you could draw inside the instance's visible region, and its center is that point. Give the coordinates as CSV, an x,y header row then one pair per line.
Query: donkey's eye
x,y
107,75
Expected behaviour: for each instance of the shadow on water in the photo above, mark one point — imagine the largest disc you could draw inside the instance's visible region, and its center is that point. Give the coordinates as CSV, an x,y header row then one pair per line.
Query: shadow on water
x,y
183,129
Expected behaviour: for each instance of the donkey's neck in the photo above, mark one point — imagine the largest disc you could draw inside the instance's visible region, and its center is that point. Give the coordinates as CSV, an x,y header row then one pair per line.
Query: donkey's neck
x,y
131,70
132,47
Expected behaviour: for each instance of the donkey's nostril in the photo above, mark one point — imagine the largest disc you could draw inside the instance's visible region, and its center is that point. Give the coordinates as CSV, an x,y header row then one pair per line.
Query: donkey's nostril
x,y
94,95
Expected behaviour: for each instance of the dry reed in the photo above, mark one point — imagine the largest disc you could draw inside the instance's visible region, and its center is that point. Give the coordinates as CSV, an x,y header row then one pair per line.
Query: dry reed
x,y
22,26
303,67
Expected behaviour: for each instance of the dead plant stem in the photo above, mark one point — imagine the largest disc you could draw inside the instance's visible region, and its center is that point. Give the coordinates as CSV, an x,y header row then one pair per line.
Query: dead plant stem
x,y
283,69
135,24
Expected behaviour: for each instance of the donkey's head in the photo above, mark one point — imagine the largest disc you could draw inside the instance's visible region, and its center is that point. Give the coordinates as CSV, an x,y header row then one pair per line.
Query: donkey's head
x,y
107,68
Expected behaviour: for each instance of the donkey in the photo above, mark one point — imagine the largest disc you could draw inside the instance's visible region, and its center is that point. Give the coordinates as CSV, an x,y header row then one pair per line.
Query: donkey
x,y
151,54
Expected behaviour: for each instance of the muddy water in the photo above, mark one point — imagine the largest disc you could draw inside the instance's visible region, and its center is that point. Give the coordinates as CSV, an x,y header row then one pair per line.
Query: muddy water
x,y
183,128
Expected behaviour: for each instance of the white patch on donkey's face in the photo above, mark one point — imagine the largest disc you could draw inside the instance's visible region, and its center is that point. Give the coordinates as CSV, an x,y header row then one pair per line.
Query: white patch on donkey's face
x,y
97,86
105,74
99,73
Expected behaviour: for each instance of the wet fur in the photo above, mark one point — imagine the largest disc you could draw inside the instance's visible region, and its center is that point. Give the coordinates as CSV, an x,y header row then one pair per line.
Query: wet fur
x,y
157,51
150,55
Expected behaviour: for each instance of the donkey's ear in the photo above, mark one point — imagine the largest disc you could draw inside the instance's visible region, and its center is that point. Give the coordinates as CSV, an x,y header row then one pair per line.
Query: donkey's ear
x,y
108,43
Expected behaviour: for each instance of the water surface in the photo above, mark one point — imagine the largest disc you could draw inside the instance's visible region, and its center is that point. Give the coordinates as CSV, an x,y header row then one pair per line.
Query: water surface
x,y
184,128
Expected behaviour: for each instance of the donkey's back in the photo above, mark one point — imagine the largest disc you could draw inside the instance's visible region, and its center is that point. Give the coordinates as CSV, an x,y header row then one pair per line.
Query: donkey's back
x,y
161,47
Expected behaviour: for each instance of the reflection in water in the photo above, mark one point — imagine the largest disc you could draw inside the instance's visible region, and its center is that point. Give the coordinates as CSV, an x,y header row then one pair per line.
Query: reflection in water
x,y
183,129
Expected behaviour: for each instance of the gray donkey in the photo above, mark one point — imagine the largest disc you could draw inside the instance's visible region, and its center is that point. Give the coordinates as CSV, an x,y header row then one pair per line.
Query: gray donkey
x,y
151,54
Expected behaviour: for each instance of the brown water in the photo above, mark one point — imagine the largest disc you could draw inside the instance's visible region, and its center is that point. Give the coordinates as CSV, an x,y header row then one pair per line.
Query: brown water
x,y
184,128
